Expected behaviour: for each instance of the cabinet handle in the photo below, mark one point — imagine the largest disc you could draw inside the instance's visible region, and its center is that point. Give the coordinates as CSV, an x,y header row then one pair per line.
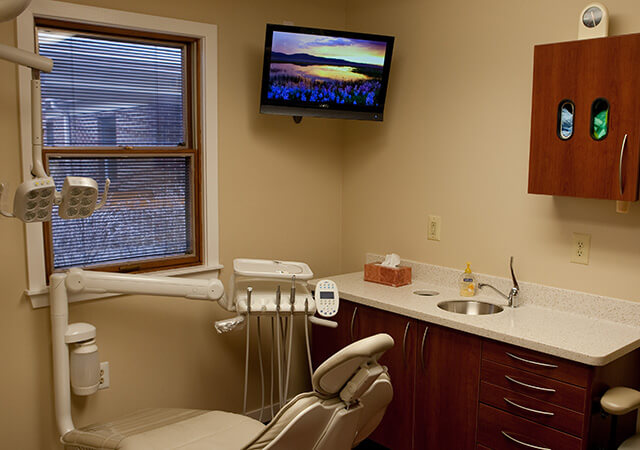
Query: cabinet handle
x,y
535,363
404,343
353,321
544,413
424,338
624,142
523,443
530,386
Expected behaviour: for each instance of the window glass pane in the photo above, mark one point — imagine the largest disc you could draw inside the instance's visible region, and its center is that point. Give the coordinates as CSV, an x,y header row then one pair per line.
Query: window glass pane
x,y
148,212
108,92
566,112
599,119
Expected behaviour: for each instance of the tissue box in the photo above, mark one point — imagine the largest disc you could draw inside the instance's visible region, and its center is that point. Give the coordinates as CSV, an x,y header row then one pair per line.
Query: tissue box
x,y
391,276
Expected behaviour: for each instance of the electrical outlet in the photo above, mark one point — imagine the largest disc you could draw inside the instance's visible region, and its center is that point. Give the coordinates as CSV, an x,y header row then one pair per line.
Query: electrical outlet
x,y
105,379
433,228
580,248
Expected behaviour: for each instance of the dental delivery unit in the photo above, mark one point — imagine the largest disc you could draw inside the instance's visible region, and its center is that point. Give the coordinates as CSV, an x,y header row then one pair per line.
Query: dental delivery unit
x,y
257,291
351,390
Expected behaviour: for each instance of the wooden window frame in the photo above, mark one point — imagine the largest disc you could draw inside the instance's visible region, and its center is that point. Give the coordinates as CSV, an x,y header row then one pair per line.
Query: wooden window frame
x,y
192,146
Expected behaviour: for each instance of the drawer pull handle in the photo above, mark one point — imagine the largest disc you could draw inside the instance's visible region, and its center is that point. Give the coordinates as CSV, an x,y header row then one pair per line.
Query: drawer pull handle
x,y
624,142
505,434
353,321
530,386
424,338
512,403
404,343
535,363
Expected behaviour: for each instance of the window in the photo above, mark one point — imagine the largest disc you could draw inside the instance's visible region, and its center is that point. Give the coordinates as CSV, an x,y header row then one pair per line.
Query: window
x,y
138,107
599,119
119,107
566,113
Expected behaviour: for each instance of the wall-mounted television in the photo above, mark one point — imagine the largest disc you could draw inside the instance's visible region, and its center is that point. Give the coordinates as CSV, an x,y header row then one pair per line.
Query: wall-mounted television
x,y
325,73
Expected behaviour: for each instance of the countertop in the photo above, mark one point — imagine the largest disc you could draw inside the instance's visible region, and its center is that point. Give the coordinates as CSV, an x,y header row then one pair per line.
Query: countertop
x,y
577,337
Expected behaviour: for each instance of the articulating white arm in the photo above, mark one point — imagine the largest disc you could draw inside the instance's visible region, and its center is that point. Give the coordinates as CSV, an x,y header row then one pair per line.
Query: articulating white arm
x,y
25,58
79,280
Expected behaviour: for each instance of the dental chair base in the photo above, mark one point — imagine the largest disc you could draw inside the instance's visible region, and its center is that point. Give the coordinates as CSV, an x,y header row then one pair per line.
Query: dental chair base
x,y
350,396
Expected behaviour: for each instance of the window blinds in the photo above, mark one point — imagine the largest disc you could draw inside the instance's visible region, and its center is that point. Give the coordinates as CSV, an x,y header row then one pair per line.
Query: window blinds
x,y
106,91
147,215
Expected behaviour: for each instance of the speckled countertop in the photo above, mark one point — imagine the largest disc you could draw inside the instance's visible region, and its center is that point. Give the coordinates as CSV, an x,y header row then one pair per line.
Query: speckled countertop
x,y
595,341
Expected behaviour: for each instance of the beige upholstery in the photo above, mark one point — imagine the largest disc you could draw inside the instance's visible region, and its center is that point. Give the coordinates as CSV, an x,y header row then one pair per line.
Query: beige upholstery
x,y
164,429
633,443
335,372
319,420
374,401
620,400
289,429
290,411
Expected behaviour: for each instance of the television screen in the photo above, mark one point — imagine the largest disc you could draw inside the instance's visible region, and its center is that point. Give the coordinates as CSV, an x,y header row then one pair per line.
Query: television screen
x,y
324,73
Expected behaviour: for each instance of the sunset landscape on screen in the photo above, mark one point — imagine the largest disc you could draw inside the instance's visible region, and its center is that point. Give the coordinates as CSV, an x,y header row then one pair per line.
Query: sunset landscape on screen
x,y
324,69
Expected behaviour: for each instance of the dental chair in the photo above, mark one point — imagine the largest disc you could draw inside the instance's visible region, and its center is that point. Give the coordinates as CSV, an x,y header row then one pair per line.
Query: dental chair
x,y
351,391
619,401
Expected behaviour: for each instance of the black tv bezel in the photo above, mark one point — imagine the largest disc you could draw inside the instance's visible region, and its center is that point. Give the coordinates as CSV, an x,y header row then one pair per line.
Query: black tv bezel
x,y
292,108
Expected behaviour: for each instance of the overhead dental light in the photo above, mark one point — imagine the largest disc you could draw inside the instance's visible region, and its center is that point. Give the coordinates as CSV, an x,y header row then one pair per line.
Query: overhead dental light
x,y
34,198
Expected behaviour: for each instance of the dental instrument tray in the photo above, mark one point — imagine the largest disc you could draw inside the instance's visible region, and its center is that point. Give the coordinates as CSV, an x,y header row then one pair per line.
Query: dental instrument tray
x,y
283,270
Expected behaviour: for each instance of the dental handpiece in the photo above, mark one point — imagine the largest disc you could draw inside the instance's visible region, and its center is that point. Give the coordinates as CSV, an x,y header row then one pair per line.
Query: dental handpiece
x,y
249,291
292,296
278,299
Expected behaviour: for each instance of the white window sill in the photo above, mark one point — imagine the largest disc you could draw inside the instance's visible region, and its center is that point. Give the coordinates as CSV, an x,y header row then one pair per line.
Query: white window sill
x,y
40,298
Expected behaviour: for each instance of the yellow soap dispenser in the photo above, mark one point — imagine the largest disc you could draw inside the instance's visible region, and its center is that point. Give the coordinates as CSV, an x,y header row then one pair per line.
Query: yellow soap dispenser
x,y
468,282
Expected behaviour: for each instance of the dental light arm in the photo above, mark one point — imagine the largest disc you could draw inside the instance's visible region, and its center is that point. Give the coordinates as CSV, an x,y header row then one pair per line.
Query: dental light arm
x,y
25,58
10,9
34,199
76,281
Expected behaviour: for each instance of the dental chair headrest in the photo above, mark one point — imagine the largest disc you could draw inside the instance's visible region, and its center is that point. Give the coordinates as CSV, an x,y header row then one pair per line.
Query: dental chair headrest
x,y
335,372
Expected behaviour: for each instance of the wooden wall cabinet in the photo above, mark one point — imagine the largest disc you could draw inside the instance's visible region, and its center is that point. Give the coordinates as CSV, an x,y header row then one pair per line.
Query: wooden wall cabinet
x,y
454,390
583,72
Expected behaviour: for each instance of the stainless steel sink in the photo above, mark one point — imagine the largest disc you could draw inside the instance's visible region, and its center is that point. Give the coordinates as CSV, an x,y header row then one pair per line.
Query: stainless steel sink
x,y
470,307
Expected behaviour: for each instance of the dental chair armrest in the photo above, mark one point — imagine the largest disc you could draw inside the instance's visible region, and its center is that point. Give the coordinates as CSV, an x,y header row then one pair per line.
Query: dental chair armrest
x,y
620,400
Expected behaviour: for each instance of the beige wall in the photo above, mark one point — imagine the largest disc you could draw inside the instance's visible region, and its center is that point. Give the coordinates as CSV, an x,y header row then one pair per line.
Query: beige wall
x,y
273,176
455,143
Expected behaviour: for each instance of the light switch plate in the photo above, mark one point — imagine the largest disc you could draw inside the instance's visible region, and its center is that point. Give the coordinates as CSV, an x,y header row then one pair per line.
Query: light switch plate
x,y
433,228
580,248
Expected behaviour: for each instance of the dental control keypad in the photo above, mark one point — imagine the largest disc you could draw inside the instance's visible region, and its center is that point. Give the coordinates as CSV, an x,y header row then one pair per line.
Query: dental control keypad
x,y
327,298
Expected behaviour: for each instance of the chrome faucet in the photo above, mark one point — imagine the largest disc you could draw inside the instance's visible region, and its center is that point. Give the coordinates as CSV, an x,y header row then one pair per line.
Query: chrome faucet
x,y
512,293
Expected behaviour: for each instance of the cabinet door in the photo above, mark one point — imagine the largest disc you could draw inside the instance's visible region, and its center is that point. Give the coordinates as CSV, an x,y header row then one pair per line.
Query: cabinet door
x,y
447,386
584,72
396,429
327,341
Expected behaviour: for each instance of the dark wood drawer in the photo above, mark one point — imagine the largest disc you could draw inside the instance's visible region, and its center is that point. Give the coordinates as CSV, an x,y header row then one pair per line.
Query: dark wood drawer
x,y
538,363
500,430
531,408
532,385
